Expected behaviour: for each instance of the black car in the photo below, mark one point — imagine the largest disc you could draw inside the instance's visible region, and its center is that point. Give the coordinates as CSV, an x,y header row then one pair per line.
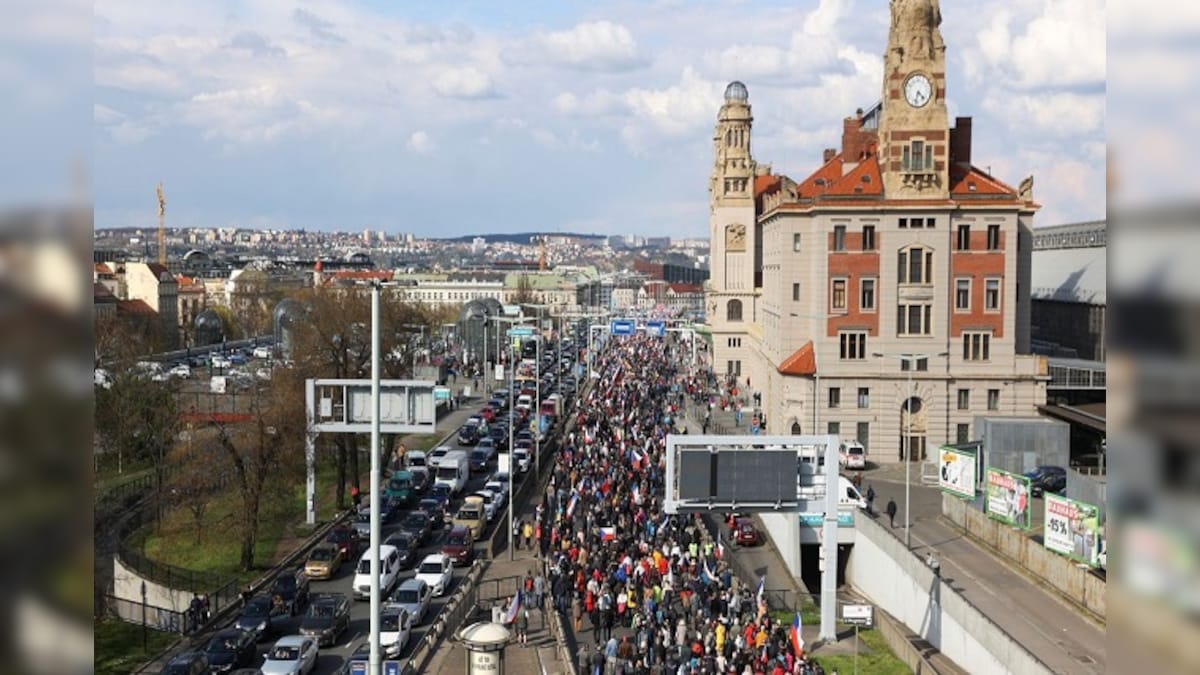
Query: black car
x,y
328,616
417,525
468,434
292,589
435,509
479,460
187,663
420,480
259,617
1047,478
406,548
229,649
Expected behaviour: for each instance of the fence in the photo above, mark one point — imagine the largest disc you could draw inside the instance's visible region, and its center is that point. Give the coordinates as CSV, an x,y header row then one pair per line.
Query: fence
x,y
154,617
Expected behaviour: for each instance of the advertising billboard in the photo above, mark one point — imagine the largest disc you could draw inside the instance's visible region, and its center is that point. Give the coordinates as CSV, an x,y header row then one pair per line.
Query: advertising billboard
x,y
956,472
1072,529
1008,498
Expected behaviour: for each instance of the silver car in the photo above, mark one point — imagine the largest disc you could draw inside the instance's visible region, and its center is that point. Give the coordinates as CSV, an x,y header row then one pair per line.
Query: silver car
x,y
414,596
291,655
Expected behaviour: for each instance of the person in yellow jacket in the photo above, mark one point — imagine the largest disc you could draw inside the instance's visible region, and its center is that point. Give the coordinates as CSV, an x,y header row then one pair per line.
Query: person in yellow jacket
x,y
720,638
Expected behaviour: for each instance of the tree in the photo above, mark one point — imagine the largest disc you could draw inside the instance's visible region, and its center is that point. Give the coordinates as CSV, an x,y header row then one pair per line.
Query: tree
x,y
200,469
524,294
252,300
136,417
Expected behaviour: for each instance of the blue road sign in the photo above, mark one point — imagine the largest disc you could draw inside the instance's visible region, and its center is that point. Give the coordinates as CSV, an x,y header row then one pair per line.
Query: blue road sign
x,y
520,332
391,668
358,667
622,327
656,328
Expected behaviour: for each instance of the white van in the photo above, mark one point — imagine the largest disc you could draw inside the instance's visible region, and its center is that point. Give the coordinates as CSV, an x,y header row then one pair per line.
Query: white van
x,y
852,455
389,572
849,496
453,470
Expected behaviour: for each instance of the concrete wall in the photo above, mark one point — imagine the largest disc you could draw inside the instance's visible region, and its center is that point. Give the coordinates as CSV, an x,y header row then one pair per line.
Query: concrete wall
x,y
127,585
1067,577
898,581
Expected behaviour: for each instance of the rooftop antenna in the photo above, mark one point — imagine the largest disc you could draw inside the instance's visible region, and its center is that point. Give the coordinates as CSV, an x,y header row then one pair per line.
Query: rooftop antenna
x,y
162,232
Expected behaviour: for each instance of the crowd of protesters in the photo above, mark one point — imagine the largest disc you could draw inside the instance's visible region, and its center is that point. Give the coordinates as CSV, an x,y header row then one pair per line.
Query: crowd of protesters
x,y
653,589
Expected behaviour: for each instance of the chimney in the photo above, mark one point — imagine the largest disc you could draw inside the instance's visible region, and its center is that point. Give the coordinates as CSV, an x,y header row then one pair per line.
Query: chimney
x,y
960,141
828,155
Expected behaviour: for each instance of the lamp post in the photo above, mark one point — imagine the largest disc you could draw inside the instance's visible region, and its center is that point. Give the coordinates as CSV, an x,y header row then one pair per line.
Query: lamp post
x,y
911,360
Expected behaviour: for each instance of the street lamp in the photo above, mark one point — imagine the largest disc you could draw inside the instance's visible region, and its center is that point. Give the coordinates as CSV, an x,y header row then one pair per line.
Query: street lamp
x,y
912,360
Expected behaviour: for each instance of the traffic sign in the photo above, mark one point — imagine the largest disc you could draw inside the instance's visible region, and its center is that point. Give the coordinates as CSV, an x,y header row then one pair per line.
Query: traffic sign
x,y
358,667
391,668
656,328
622,327
857,615
520,332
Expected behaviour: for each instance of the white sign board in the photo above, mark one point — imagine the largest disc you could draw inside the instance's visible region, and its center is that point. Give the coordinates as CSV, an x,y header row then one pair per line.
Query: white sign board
x,y
485,663
857,615
1072,529
217,384
956,472
502,464
499,373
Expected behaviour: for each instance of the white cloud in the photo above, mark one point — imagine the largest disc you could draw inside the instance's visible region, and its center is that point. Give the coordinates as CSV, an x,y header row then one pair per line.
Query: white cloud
x,y
466,83
591,45
1061,114
594,104
683,108
420,143
1063,44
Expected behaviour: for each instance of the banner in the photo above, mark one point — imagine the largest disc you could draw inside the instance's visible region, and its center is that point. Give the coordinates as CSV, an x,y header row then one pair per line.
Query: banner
x,y
956,472
1072,529
1008,498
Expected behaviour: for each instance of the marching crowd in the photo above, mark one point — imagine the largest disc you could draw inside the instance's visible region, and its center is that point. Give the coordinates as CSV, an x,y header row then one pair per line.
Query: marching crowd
x,y
653,589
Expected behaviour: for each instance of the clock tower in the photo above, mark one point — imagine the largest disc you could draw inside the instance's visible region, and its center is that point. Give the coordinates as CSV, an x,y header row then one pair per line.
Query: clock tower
x,y
914,128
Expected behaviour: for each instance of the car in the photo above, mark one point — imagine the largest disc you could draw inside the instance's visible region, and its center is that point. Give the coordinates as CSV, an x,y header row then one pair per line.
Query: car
x,y
389,571
503,478
435,509
263,374
472,515
220,361
489,503
324,561
420,479
182,371
745,532
395,627
328,616
260,617
521,459
459,545
499,492
237,358
291,655
347,540
468,434
262,352
292,589
438,453
415,596
358,662
525,435
437,570
442,493
406,548
417,525
479,460
488,413
230,648
497,404
1047,478
400,487
187,663
499,435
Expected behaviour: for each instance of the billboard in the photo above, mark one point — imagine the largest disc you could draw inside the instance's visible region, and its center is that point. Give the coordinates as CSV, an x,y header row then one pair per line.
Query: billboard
x,y
1008,498
1072,529
956,472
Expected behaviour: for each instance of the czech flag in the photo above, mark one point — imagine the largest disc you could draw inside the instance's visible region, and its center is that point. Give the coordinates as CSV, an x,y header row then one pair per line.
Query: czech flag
x,y
708,575
571,505
760,594
510,615
608,534
796,637
637,458
637,496
720,547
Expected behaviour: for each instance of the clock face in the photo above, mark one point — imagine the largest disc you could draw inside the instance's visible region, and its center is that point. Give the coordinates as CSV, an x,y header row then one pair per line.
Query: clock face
x,y
918,90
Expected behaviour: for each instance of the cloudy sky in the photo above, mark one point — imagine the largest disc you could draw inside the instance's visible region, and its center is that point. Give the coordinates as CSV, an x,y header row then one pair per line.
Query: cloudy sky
x,y
481,116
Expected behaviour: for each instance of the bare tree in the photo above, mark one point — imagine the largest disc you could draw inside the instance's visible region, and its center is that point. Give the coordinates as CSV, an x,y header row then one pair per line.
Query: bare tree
x,y
200,470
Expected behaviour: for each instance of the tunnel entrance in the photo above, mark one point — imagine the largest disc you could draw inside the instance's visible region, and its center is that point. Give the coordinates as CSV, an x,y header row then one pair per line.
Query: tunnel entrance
x,y
810,566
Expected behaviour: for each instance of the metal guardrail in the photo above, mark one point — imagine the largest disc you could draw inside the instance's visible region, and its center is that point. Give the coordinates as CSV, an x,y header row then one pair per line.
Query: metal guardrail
x,y
152,616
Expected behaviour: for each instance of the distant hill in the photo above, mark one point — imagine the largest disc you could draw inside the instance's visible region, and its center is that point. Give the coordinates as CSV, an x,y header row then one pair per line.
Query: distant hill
x,y
519,237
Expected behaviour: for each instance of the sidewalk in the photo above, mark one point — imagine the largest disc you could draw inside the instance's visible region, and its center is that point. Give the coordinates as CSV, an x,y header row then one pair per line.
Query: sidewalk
x,y
1038,618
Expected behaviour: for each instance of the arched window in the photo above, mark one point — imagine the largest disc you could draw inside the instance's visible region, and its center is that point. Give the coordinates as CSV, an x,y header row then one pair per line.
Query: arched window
x,y
795,428
733,311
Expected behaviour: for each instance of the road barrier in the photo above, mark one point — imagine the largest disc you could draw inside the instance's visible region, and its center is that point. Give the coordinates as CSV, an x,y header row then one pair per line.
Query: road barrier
x,y
461,605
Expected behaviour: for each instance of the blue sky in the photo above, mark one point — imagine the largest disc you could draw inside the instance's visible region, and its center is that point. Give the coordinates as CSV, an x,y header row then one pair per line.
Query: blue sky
x,y
568,116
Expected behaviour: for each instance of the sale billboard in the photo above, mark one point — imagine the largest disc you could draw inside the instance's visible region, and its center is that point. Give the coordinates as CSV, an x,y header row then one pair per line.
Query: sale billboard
x,y
1008,498
1072,529
956,471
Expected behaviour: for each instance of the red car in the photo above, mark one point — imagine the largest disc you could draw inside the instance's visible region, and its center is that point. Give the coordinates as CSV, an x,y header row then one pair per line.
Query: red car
x,y
746,533
347,541
488,414
460,545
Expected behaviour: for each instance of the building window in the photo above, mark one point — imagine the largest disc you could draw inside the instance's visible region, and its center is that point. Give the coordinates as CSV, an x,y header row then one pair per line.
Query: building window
x,y
868,238
796,242
913,319
734,342
837,295
962,294
733,311
991,295
922,364
864,397
853,345
993,242
833,428
835,397
915,265
839,238
993,399
733,367
964,399
864,435
976,346
964,237
963,433
866,300
795,291
903,223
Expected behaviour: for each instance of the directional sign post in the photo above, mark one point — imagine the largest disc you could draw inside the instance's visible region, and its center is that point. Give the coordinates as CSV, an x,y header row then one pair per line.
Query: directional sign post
x,y
520,332
391,668
622,327
656,328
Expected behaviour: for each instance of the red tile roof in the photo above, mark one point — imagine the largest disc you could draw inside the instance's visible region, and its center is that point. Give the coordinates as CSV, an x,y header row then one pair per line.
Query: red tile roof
x,y
820,180
135,308
972,181
762,184
863,180
802,362
686,288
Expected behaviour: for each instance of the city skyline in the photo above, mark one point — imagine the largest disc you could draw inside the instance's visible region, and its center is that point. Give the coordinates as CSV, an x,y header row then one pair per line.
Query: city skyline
x,y
588,118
